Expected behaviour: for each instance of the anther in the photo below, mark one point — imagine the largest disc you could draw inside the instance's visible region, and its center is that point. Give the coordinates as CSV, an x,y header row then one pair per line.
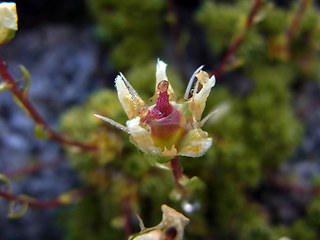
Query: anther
x,y
163,86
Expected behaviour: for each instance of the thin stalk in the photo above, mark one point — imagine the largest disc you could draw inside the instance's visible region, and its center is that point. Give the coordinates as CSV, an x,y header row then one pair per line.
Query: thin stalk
x,y
177,173
8,79
44,204
126,211
295,24
234,46
34,167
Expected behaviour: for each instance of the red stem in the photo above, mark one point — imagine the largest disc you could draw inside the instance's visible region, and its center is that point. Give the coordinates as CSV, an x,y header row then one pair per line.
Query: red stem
x,y
126,210
294,26
238,40
231,51
175,34
176,169
32,168
35,115
178,174
48,204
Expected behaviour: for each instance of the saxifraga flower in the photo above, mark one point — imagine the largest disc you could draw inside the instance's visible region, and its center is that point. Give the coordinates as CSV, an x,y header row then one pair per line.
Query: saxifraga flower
x,y
167,128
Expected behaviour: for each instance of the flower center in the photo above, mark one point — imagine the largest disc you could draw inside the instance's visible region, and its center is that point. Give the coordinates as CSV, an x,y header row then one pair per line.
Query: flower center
x,y
167,124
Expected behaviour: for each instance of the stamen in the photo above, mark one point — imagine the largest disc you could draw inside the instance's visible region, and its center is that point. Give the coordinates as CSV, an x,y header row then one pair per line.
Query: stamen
x,y
196,88
114,123
203,121
186,95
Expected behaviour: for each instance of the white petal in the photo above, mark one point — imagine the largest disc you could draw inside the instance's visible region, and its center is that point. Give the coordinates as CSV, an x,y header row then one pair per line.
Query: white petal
x,y
8,15
128,97
161,75
197,102
161,71
172,217
141,137
195,143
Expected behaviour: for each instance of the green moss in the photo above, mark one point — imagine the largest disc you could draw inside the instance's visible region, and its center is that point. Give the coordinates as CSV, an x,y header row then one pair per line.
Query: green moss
x,y
257,132
222,23
275,22
131,28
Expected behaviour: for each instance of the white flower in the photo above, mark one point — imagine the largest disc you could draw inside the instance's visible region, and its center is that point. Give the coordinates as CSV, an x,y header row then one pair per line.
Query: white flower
x,y
167,128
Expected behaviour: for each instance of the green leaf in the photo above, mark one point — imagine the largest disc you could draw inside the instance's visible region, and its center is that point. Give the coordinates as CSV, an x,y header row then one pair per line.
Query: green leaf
x,y
4,184
20,104
18,208
40,132
4,86
6,35
27,78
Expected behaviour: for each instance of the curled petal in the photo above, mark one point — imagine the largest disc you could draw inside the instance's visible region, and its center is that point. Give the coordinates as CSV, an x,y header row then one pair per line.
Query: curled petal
x,y
128,97
195,143
172,218
197,102
141,137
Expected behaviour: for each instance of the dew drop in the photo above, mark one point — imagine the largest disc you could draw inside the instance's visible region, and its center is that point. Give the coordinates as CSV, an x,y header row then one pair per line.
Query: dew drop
x,y
190,207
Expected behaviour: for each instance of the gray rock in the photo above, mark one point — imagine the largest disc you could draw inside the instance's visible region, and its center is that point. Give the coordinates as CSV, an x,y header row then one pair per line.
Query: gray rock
x,y
62,61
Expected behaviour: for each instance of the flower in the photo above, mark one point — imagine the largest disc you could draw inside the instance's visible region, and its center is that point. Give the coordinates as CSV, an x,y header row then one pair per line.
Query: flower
x,y
171,226
8,21
167,128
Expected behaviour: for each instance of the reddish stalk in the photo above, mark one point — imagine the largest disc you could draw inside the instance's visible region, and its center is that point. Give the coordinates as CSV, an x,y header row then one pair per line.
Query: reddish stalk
x,y
47,204
284,183
177,173
34,167
175,34
8,79
176,169
126,211
294,26
238,40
